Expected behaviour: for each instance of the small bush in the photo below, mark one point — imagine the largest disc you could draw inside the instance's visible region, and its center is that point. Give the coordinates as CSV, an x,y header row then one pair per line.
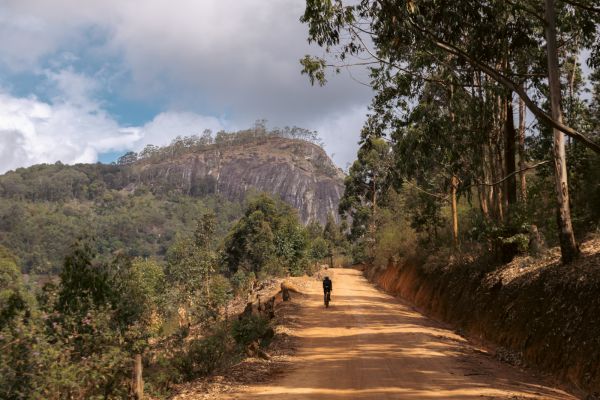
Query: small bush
x,y
242,281
161,375
249,329
299,268
203,356
520,240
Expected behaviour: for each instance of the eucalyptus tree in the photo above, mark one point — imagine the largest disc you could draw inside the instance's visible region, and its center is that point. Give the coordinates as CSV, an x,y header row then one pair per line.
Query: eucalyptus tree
x,y
436,147
408,41
369,178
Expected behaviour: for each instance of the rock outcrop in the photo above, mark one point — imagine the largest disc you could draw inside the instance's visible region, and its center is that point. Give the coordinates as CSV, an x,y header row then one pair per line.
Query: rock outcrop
x,y
299,172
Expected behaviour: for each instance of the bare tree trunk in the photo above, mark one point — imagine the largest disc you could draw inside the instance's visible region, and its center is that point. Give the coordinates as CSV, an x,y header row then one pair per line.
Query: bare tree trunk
x,y
482,190
568,246
493,190
501,187
454,184
483,205
510,138
374,199
138,382
372,224
522,177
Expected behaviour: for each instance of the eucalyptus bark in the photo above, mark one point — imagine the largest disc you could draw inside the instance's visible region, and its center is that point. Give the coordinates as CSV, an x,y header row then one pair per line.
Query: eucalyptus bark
x,y
454,184
372,224
510,138
568,246
522,177
138,382
499,169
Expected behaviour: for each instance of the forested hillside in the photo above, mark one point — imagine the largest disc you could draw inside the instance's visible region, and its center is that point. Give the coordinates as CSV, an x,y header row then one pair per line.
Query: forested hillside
x,y
144,201
76,336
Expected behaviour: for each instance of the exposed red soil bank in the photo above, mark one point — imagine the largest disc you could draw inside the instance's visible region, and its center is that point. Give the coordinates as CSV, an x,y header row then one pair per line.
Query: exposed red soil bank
x,y
546,313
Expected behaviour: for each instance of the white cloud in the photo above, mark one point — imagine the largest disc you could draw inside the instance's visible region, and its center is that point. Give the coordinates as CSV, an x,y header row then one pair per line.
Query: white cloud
x,y
341,133
77,89
75,129
34,132
235,55
212,57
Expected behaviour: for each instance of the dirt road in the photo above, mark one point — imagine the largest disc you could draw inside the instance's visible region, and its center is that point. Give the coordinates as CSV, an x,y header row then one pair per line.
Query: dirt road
x,y
369,345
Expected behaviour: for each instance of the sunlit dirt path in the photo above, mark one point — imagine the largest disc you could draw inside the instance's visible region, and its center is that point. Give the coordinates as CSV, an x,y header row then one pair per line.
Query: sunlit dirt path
x,y
369,345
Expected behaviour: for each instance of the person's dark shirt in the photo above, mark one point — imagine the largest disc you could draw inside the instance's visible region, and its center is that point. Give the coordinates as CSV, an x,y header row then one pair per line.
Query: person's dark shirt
x,y
327,285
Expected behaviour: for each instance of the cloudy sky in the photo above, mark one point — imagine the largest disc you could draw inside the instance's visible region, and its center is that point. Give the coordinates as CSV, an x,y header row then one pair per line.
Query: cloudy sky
x,y
82,81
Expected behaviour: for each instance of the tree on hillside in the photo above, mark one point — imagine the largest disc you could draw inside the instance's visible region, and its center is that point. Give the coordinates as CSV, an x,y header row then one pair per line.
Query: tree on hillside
x,y
191,266
268,239
368,179
128,158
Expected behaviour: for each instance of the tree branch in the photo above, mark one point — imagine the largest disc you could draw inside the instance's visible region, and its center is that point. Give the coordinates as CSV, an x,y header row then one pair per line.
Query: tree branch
x,y
509,84
529,11
582,6
511,174
443,198
399,68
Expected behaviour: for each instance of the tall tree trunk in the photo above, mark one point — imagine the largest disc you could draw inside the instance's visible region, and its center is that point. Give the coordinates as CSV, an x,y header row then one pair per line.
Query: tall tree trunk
x,y
372,223
138,382
522,177
501,187
454,184
482,190
483,201
568,247
510,138
494,198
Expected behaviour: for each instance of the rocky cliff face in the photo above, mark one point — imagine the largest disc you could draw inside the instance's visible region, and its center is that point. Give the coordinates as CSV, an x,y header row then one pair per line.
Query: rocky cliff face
x,y
299,172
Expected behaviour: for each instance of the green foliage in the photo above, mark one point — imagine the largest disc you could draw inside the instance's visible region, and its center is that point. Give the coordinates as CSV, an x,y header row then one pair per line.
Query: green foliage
x,y
249,329
152,271
395,238
445,79
76,358
425,213
520,240
141,224
267,239
191,266
290,246
83,284
220,291
242,281
205,230
205,355
14,297
79,342
319,249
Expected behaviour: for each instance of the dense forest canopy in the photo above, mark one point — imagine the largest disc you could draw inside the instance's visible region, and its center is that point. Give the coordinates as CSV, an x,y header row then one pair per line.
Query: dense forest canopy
x,y
473,100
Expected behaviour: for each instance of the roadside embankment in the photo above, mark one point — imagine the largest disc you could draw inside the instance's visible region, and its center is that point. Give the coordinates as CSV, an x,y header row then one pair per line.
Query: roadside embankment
x,y
536,312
